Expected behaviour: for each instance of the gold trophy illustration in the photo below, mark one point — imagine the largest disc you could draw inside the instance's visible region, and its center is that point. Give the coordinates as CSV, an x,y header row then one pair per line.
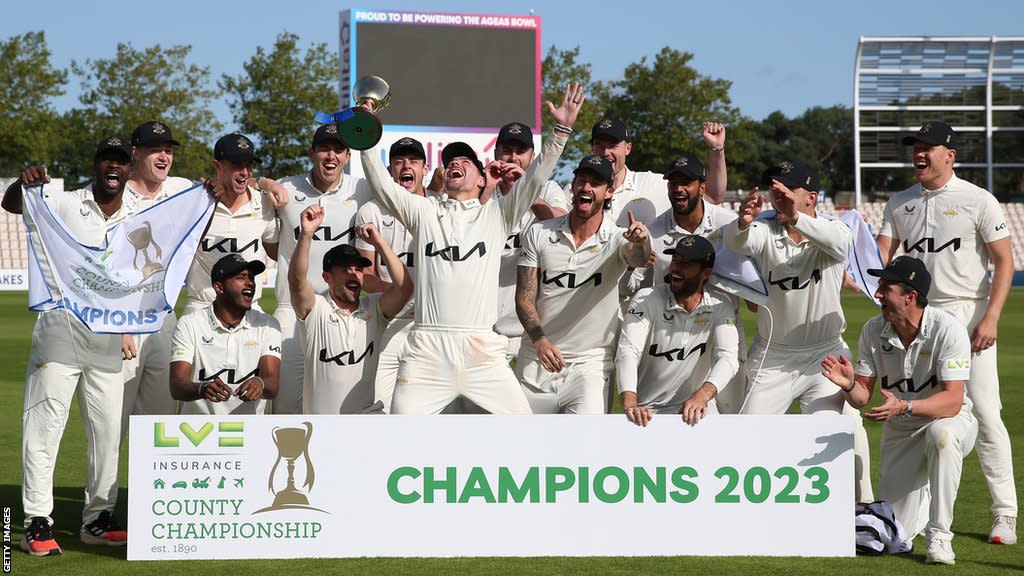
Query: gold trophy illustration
x,y
142,238
292,443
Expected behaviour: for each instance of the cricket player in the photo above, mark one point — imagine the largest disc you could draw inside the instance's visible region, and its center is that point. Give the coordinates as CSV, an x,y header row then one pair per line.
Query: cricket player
x,y
803,257
243,222
642,193
958,230
922,356
341,197
343,331
513,153
567,297
452,350
226,357
692,213
146,364
407,164
667,330
67,358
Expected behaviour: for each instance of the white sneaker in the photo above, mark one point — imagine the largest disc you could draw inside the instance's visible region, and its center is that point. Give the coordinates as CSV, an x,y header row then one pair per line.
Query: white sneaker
x,y
940,552
1004,530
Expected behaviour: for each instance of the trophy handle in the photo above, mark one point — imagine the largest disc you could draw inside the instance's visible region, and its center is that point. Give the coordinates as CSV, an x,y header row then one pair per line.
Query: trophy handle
x,y
270,480
310,474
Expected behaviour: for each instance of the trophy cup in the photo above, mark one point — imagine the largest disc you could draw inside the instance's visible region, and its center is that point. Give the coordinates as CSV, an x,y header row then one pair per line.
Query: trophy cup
x,y
291,443
358,127
142,238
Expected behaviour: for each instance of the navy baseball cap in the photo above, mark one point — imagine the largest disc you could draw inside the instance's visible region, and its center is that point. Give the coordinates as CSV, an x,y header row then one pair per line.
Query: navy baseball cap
x,y
344,255
792,175
598,165
456,149
232,264
152,133
327,133
689,166
236,148
906,270
933,133
113,143
516,132
612,128
694,248
408,147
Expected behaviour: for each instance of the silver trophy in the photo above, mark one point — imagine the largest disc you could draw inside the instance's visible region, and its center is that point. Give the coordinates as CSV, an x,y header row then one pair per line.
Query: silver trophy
x,y
372,90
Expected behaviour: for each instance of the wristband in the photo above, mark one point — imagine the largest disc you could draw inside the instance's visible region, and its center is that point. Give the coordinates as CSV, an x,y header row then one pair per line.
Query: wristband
x,y
263,385
850,389
717,148
563,129
201,390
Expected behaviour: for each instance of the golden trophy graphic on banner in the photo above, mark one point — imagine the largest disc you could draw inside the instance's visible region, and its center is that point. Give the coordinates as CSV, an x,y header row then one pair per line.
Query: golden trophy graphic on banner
x,y
292,443
142,238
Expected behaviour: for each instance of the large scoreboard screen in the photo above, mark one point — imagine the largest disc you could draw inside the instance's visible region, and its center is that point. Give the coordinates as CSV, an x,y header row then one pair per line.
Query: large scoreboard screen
x,y
447,71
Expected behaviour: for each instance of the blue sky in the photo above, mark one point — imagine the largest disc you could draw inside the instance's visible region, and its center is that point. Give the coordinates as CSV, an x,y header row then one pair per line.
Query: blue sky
x,y
784,56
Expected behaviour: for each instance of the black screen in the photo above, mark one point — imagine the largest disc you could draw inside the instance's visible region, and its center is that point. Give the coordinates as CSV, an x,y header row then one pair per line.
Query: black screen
x,y
451,76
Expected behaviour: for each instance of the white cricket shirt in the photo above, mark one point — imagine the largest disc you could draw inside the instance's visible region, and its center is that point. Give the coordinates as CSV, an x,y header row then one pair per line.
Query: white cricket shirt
x,y
947,229
340,207
661,345
940,352
341,355
804,279
459,243
242,232
577,288
231,354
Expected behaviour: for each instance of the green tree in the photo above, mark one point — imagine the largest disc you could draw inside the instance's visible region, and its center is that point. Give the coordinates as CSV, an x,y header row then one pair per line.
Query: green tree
x,y
28,121
558,68
135,86
665,103
275,99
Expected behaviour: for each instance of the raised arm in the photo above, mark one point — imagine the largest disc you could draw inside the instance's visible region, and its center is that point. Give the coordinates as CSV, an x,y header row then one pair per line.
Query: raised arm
x,y
303,296
397,200
526,190
12,201
714,136
398,293
740,235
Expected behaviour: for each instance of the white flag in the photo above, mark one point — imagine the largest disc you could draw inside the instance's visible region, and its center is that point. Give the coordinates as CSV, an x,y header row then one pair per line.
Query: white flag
x,y
131,281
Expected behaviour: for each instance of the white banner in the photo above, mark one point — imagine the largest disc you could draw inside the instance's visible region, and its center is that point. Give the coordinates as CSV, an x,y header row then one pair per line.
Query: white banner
x,y
348,486
13,280
129,282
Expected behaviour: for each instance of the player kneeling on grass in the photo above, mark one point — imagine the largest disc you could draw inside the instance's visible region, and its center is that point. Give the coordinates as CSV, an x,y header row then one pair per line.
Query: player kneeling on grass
x,y
226,357
923,357
343,331
667,329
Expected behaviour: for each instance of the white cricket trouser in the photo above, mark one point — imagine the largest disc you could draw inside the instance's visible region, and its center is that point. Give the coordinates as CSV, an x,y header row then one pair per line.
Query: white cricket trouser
x,y
788,373
395,337
147,377
293,356
440,364
49,390
920,470
994,453
579,388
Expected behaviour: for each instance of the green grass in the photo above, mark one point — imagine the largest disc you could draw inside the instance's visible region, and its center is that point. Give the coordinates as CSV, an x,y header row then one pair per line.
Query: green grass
x,y
974,555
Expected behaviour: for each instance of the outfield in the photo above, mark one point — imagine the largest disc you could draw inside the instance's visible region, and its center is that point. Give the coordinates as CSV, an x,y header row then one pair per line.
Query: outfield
x,y
974,555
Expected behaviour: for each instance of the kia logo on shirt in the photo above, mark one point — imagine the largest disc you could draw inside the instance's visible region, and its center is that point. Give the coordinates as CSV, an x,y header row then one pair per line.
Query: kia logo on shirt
x,y
454,253
229,246
907,384
346,358
677,353
226,375
928,246
327,234
568,280
793,282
